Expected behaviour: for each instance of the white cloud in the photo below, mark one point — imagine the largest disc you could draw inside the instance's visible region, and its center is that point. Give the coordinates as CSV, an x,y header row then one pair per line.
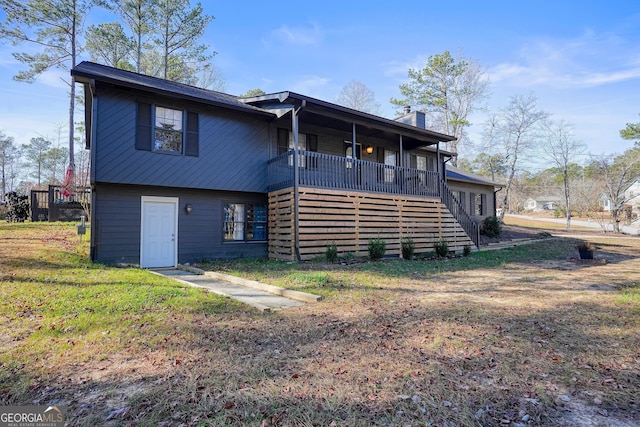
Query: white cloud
x,y
310,85
400,68
302,36
585,61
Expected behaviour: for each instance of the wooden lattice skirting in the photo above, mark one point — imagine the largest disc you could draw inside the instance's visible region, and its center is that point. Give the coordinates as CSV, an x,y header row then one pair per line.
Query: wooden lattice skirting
x,y
350,219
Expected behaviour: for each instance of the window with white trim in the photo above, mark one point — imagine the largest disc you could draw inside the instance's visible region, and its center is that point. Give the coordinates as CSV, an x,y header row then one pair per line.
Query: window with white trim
x,y
245,222
168,130
390,159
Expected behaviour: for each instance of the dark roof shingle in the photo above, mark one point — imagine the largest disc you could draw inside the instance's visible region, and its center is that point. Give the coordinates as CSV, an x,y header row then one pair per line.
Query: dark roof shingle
x,y
89,70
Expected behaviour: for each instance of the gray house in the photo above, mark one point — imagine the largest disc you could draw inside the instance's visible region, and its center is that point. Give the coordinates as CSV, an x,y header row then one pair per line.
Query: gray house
x,y
181,174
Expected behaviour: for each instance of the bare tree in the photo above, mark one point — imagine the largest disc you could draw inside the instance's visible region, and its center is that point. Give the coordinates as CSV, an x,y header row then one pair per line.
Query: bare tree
x,y
209,76
358,96
617,173
7,157
560,148
36,156
517,126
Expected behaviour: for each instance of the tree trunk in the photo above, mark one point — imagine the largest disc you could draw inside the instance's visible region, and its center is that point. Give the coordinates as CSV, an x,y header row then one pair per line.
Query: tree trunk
x,y
507,191
72,97
615,214
565,178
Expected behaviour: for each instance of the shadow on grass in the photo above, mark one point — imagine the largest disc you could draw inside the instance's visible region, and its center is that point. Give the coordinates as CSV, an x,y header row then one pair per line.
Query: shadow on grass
x,y
396,364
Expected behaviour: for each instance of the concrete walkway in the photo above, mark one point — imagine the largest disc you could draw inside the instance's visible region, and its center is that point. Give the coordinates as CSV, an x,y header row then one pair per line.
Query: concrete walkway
x,y
259,295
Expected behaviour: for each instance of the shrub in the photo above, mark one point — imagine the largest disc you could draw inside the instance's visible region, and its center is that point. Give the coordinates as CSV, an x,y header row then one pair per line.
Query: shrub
x,y
441,248
585,247
18,207
377,248
491,227
560,212
408,247
586,250
466,250
331,254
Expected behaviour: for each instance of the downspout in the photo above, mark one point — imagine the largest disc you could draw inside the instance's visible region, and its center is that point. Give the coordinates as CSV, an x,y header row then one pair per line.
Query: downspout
x,y
296,176
93,221
444,170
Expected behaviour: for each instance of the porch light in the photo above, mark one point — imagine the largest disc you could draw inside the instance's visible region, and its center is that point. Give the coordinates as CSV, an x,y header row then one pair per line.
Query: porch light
x,y
369,149
188,209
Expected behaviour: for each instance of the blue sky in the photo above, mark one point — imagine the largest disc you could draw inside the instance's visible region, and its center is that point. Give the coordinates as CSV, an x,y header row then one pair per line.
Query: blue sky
x,y
581,59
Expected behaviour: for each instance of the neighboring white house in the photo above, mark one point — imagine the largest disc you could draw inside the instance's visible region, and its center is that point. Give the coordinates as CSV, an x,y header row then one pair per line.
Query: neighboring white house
x,y
632,196
605,202
541,203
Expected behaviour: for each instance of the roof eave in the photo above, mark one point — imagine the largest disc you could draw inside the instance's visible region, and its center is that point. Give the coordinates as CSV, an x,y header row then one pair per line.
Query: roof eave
x,y
296,98
85,77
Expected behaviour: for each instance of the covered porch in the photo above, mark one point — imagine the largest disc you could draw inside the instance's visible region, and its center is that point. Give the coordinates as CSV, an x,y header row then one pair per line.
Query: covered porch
x,y
318,199
383,178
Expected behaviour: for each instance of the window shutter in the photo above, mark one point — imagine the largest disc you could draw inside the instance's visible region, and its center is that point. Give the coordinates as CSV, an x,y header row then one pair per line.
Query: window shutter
x,y
192,140
472,203
143,128
413,161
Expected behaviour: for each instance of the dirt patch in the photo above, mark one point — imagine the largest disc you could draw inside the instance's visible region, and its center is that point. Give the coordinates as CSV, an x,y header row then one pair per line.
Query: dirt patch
x,y
511,233
486,340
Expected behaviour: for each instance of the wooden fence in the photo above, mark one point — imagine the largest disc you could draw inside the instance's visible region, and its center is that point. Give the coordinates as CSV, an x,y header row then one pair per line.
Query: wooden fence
x,y
350,219
50,205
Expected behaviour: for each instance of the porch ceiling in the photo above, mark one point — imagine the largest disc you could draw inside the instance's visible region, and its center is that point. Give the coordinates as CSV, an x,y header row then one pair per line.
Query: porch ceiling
x,y
322,119
326,114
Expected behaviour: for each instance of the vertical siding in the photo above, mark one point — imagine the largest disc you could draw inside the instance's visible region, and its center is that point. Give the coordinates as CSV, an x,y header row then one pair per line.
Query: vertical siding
x,y
117,217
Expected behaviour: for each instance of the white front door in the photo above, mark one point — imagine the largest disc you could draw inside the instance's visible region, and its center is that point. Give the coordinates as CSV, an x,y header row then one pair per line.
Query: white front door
x,y
159,232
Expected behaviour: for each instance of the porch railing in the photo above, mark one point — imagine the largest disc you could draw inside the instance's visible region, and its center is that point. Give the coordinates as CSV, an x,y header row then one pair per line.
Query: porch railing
x,y
328,171
460,214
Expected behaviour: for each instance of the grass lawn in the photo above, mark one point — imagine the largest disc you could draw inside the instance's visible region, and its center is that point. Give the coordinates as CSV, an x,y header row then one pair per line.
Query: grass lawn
x,y
516,337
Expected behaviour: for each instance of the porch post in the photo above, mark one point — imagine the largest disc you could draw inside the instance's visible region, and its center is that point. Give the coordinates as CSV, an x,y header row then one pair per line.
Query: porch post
x,y
438,167
353,142
296,185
